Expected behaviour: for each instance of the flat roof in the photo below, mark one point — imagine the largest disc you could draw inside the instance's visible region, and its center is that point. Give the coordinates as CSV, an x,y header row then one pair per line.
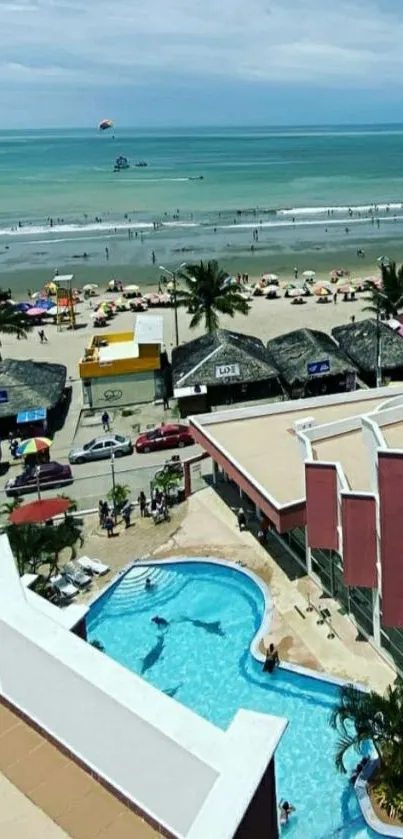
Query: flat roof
x,y
350,451
266,445
149,329
117,350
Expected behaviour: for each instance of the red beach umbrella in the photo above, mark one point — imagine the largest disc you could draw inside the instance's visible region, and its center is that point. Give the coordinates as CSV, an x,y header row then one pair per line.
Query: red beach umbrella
x,y
38,511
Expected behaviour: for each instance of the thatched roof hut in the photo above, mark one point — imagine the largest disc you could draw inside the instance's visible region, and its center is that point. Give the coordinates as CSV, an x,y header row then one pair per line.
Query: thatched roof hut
x,y
224,367
359,342
30,384
292,352
197,361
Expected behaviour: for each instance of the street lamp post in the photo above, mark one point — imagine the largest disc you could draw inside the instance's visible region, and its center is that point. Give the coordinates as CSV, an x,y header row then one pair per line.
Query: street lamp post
x,y
38,482
173,275
113,485
379,339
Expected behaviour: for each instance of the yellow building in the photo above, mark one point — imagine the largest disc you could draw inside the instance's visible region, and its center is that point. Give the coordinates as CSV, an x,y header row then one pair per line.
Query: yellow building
x,y
123,368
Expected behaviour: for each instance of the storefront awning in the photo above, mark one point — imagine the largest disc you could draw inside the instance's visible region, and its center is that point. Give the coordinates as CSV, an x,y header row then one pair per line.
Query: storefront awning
x,y
34,415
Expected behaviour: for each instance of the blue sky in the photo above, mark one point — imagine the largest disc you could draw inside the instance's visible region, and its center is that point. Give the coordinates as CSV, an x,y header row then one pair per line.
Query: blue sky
x,y
190,62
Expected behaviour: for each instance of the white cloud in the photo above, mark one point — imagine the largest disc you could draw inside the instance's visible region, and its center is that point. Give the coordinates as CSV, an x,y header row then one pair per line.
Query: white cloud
x,y
355,42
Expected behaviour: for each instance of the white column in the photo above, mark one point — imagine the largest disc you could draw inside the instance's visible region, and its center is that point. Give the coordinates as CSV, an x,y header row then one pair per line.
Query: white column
x,y
376,616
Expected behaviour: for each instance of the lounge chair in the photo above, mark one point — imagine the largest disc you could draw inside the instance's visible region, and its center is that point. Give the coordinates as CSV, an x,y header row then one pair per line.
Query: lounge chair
x,y
94,566
74,574
63,586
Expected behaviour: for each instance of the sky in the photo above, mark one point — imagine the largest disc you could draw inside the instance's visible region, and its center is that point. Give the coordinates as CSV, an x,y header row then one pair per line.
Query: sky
x,y
200,62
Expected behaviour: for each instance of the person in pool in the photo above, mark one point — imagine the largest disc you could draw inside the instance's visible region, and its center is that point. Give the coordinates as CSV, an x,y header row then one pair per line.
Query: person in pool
x,y
148,585
285,811
159,621
272,658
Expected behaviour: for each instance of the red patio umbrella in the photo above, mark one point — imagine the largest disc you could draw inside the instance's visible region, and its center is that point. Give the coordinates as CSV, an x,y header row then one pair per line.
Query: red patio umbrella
x,y
38,511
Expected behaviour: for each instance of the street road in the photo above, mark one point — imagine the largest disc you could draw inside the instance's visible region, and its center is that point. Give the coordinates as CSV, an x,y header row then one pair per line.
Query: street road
x,y
93,481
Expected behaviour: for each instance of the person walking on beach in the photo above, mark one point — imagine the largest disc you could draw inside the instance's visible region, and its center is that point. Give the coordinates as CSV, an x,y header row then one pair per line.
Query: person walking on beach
x,y
153,257
106,421
107,253
42,337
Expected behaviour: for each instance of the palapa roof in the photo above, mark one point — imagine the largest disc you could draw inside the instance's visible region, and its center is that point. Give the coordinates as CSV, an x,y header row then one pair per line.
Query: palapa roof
x,y
195,362
30,384
358,341
293,351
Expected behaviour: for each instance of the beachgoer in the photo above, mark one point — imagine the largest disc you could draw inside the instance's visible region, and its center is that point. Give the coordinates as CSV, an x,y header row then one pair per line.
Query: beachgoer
x,y
42,337
148,586
335,297
295,273
153,257
285,811
142,502
105,421
272,659
109,525
126,513
241,518
107,253
159,621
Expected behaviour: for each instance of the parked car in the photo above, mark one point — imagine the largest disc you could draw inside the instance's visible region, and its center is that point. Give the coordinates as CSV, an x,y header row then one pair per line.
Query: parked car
x,y
164,437
102,447
50,475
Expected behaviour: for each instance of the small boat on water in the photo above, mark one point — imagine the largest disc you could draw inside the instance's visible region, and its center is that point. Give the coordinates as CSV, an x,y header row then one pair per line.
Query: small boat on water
x,y
121,163
141,164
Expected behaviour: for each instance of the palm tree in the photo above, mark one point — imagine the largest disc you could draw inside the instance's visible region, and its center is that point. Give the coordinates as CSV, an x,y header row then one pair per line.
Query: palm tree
x,y
360,717
38,547
388,298
208,294
14,322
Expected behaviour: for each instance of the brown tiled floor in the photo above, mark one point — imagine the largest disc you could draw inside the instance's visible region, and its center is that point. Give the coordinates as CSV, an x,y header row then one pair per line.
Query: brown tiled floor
x,y
65,792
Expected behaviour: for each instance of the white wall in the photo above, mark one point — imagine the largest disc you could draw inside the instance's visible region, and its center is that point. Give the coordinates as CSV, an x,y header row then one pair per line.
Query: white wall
x,y
128,389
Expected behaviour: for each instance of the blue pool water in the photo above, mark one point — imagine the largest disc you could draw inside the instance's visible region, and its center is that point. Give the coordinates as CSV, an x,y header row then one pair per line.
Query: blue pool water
x,y
211,670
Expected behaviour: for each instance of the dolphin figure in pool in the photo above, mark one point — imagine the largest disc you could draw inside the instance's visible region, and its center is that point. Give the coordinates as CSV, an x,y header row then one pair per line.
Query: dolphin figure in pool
x,y
213,627
152,657
171,692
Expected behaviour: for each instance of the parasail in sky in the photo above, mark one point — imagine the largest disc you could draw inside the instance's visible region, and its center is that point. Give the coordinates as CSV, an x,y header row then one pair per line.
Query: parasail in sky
x,y
105,124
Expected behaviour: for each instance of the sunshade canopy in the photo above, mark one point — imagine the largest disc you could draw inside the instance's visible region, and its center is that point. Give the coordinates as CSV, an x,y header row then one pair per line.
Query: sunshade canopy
x,y
37,511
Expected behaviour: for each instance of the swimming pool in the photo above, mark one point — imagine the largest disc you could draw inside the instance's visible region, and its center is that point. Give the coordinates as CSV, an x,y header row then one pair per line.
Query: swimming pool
x,y
203,659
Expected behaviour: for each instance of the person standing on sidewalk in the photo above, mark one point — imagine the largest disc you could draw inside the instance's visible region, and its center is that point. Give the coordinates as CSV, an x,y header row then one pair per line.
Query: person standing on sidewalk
x,y
106,421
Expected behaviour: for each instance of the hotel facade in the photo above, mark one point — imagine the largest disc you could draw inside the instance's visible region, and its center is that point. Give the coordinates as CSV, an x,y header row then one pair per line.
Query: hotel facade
x,y
327,476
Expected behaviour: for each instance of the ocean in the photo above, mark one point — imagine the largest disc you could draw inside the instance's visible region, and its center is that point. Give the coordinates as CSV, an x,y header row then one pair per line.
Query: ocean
x,y
309,193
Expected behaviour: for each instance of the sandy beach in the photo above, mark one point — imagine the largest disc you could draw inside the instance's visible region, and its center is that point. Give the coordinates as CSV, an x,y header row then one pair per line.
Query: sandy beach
x,y
266,319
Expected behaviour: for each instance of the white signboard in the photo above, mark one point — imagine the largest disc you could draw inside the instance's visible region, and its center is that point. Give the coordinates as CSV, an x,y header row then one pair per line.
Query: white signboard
x,y
227,371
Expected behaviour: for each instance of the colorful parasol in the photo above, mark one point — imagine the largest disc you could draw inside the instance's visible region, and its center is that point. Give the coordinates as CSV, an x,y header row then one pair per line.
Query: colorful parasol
x,y
33,445
37,511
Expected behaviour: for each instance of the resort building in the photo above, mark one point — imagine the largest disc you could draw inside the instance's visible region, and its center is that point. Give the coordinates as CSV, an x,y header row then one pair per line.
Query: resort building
x,y
222,368
106,754
124,368
311,364
365,341
326,476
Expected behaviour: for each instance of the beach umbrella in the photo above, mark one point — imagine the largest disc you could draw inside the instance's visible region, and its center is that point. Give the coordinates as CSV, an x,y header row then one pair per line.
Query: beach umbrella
x,y
90,287
322,291
271,288
23,307
38,511
309,275
296,292
345,288
36,312
33,445
270,278
51,287
131,288
44,303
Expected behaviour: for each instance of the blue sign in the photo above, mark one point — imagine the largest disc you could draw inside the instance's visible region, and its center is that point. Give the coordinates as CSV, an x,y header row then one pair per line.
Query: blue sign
x,y
316,368
34,415
3,396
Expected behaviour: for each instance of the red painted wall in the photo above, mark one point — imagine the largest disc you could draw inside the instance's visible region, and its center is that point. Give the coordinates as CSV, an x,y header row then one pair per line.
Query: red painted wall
x,y
321,506
390,481
283,518
359,541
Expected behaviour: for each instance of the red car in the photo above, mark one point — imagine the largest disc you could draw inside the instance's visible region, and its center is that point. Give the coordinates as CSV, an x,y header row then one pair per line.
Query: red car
x,y
51,475
164,437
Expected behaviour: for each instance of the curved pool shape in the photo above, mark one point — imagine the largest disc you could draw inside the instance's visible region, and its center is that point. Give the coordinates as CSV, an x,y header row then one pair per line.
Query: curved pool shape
x,y
203,659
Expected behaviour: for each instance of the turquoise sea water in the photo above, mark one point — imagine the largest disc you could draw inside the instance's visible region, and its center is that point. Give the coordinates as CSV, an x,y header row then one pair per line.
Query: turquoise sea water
x,y
295,186
208,667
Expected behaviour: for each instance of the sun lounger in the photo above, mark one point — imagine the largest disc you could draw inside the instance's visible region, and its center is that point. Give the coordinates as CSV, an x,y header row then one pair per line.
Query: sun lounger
x,y
63,586
94,566
74,574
